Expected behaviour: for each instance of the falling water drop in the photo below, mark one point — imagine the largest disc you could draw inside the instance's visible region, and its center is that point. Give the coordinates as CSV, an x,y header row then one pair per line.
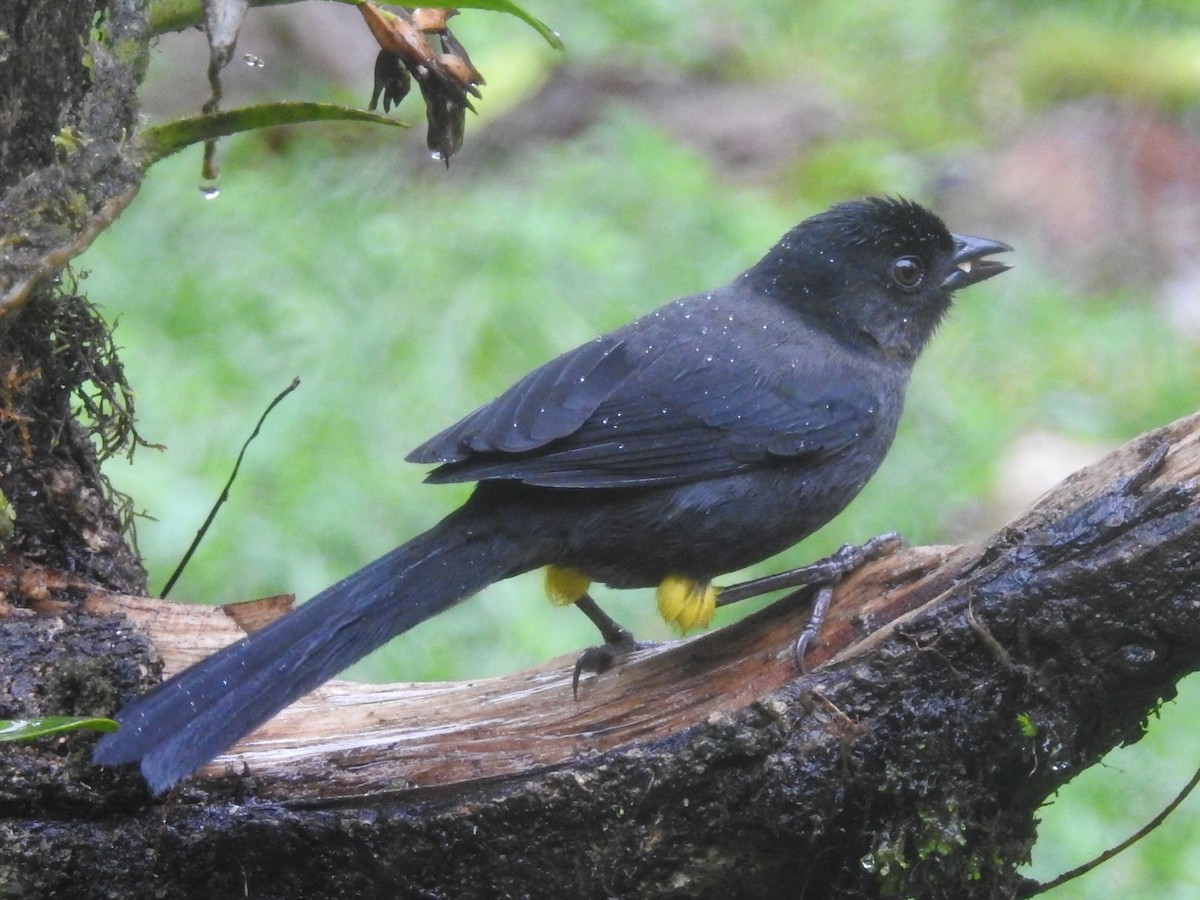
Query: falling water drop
x,y
253,61
210,191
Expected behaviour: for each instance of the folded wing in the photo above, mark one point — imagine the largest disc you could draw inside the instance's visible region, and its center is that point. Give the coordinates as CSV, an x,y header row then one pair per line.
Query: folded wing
x,y
609,415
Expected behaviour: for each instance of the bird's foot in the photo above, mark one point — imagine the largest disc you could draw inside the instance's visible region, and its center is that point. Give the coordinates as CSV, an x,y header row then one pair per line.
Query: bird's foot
x,y
823,575
816,619
598,660
618,643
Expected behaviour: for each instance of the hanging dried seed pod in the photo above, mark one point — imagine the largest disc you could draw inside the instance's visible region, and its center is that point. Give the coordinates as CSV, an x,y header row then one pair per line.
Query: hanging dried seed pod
x,y
446,78
446,122
391,80
432,20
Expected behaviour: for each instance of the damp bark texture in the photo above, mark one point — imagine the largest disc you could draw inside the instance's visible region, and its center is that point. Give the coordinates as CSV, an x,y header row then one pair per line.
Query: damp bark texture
x,y
954,689
67,110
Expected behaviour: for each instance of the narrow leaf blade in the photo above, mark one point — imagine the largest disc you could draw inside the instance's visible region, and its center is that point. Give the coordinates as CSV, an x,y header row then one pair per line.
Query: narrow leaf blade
x,y
162,140
28,729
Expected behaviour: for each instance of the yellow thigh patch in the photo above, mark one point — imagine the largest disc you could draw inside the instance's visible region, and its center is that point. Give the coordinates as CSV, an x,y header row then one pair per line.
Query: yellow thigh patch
x,y
685,603
564,586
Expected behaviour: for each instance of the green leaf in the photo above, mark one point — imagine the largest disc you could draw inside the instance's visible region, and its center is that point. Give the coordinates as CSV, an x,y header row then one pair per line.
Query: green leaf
x,y
28,729
507,6
162,140
176,15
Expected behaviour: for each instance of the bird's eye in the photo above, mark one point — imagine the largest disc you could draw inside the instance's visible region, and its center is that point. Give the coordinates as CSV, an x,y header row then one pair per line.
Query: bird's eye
x,y
908,272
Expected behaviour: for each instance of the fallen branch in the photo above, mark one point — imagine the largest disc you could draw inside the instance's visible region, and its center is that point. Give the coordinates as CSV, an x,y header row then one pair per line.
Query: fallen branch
x,y
952,691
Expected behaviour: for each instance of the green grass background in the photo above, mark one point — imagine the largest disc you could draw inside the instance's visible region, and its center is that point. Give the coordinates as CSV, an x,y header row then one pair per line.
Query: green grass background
x,y
403,297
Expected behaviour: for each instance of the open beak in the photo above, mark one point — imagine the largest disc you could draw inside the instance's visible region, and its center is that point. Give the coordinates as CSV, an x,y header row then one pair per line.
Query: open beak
x,y
971,264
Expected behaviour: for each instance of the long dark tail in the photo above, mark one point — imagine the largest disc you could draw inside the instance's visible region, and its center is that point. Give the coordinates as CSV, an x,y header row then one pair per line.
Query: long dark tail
x,y
195,715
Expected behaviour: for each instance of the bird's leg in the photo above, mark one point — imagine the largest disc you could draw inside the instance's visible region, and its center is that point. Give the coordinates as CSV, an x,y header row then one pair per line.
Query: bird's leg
x,y
829,570
609,628
618,643
682,601
570,586
822,574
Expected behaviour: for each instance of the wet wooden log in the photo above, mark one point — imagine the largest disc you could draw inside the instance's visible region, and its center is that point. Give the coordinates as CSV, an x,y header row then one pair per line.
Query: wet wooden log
x,y
952,691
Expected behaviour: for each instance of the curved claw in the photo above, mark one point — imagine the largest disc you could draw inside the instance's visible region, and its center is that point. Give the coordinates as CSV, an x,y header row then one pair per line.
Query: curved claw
x,y
820,607
600,659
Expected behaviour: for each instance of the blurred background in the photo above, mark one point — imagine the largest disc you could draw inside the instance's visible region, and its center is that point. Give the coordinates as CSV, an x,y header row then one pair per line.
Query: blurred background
x,y
663,152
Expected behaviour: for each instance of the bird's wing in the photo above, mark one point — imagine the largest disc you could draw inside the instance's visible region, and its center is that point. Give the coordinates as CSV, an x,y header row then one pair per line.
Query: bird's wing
x,y
549,403
604,416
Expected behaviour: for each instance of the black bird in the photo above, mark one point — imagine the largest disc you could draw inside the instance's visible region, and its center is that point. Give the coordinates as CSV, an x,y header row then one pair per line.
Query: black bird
x,y
700,439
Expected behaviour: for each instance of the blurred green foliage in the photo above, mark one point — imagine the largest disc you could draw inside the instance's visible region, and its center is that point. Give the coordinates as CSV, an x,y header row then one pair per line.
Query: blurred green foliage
x,y
404,297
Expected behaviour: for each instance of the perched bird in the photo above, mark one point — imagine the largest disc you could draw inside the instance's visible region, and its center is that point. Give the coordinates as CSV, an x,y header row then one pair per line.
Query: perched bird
x,y
702,438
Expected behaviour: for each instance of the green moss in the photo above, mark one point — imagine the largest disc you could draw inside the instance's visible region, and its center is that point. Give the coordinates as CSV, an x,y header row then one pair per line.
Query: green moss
x,y
938,838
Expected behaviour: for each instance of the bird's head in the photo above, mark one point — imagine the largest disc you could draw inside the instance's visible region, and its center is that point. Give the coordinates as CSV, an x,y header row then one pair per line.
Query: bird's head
x,y
881,271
